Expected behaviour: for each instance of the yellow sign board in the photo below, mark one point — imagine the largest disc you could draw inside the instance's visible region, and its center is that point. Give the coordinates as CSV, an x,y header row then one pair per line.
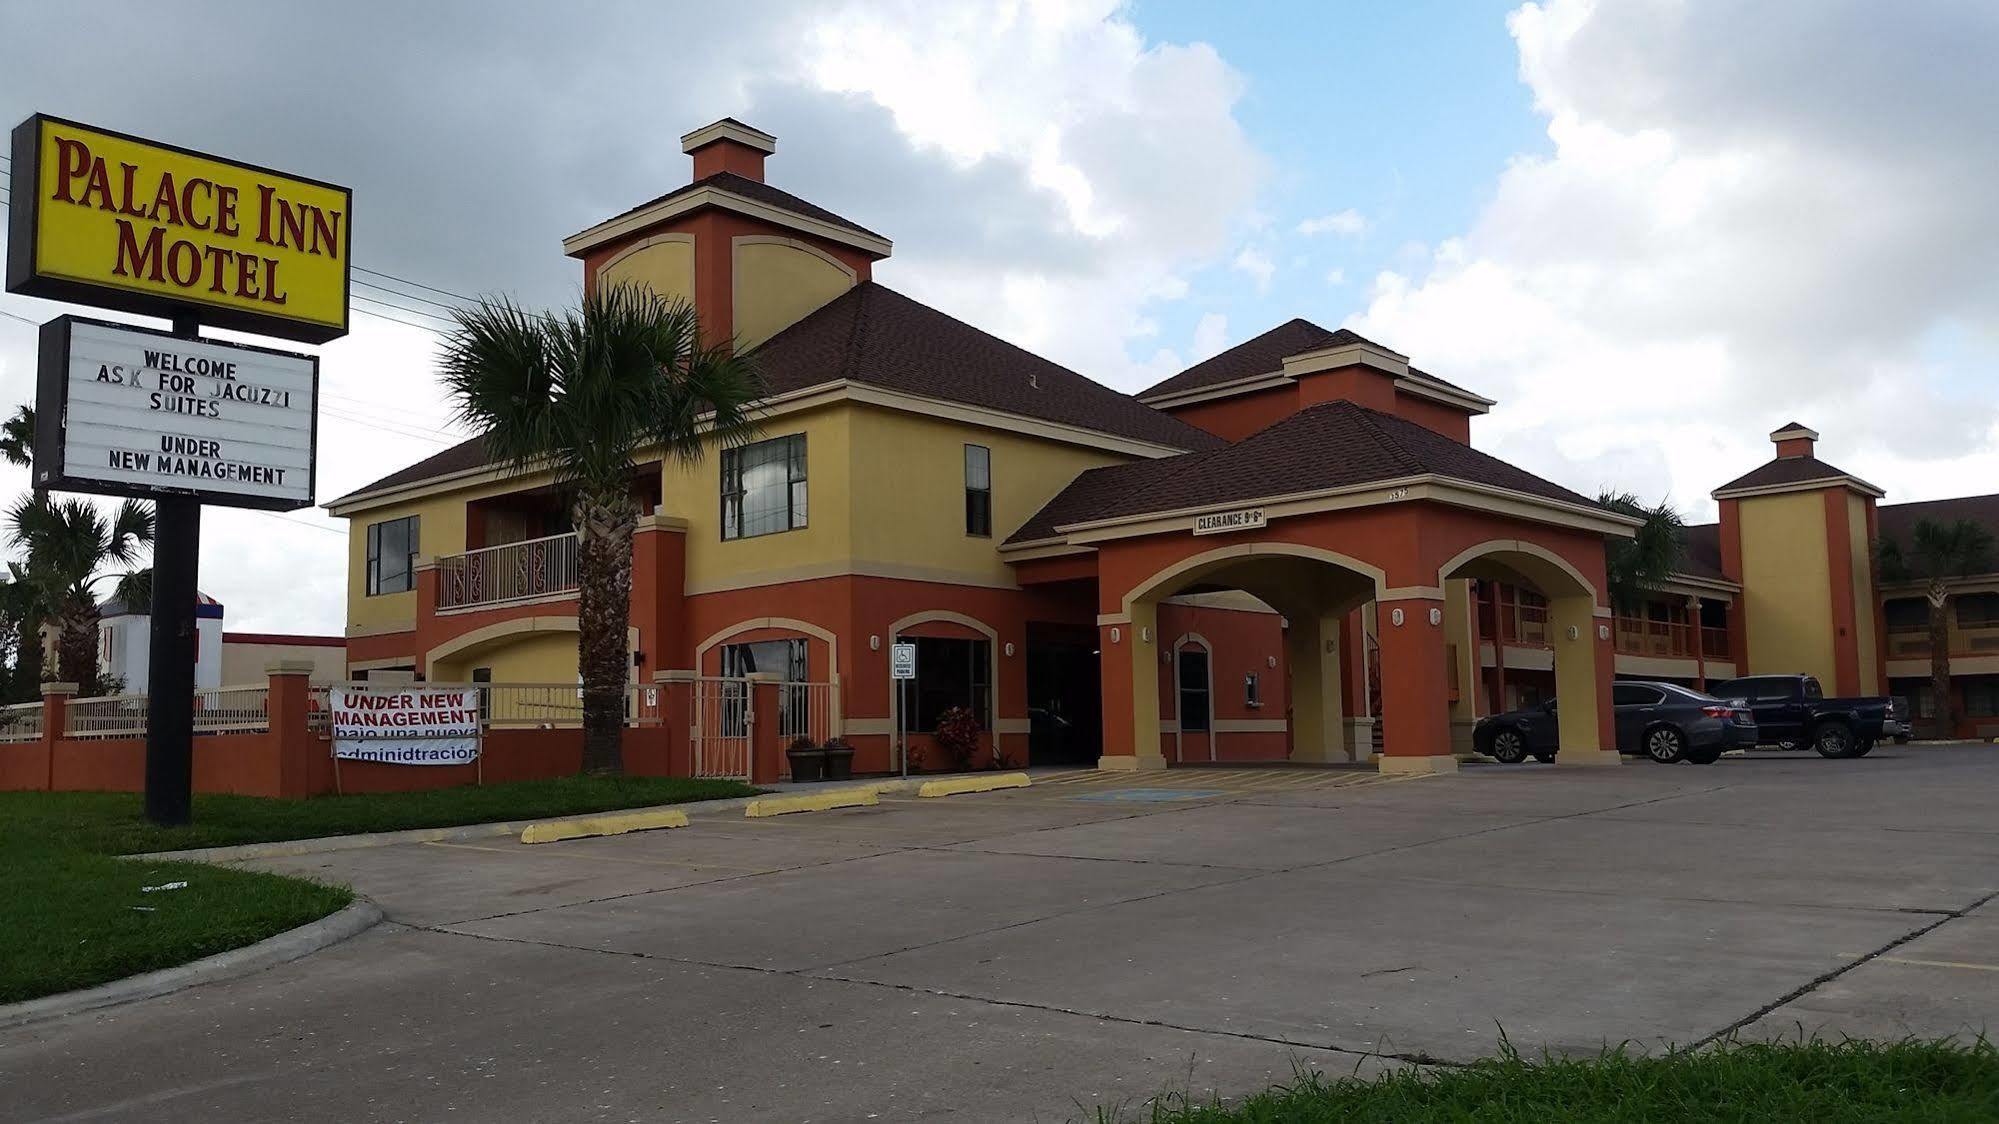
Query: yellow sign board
x,y
106,219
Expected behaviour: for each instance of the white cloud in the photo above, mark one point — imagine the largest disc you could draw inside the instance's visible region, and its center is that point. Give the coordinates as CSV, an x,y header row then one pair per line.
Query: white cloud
x,y
1256,265
1346,223
1336,276
1014,152
1749,215
1211,334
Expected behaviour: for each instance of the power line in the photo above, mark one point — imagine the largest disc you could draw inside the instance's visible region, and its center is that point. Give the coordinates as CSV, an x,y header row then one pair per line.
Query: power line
x,y
418,284
22,319
399,307
384,291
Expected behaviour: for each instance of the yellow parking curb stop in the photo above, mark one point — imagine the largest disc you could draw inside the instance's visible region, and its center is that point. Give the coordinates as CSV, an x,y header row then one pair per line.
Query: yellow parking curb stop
x,y
957,785
554,831
814,802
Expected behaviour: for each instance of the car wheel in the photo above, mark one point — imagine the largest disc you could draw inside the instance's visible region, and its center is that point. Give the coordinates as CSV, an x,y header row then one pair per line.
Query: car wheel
x,y
1664,744
1834,740
1508,747
1865,747
1704,756
1545,756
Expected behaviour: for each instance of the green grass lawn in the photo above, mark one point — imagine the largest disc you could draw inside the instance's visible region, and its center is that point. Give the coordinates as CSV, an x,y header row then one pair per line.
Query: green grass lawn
x,y
73,915
1816,1081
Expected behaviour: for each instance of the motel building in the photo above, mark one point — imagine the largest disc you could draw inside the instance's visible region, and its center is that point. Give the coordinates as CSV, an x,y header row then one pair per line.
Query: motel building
x,y
1287,552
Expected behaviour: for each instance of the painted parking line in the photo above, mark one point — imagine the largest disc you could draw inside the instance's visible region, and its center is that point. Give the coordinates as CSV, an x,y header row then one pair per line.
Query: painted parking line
x,y
1932,963
1202,783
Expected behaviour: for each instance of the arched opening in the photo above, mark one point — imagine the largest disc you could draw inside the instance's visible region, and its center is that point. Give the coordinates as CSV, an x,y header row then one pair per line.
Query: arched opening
x,y
1151,674
1572,625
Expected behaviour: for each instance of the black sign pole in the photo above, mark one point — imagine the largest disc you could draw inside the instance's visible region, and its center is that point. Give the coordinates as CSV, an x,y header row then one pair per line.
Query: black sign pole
x,y
171,656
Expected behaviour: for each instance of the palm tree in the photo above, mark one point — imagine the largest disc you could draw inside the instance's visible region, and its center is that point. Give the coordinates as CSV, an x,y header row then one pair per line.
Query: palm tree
x,y
1637,565
1937,553
582,394
68,544
17,437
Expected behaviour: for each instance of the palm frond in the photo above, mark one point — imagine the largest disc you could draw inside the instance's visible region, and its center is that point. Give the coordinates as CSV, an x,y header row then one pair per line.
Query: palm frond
x,y
17,437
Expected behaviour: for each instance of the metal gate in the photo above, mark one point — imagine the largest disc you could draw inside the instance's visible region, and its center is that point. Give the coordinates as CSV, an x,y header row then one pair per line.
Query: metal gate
x,y
720,729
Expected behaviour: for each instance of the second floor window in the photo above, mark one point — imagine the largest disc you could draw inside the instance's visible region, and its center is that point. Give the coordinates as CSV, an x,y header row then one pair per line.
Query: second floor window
x,y
392,548
1977,610
763,487
978,491
1906,614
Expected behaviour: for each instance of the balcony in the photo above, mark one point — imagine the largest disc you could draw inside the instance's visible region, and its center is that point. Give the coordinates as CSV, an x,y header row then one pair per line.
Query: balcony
x,y
1523,624
1914,643
1667,639
513,572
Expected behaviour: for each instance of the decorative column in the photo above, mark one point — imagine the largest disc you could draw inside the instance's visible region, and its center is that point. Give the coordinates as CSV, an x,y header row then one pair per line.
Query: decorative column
x,y
55,725
767,762
1318,725
286,710
1585,724
1415,706
1130,663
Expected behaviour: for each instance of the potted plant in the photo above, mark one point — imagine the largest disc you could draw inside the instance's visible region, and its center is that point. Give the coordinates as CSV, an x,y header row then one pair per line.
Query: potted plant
x,y
839,759
808,761
957,734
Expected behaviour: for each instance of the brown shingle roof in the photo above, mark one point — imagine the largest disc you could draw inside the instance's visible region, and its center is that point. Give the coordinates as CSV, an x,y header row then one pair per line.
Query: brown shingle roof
x,y
756,192
1785,470
1266,354
1331,445
1701,556
875,335
1259,356
1896,520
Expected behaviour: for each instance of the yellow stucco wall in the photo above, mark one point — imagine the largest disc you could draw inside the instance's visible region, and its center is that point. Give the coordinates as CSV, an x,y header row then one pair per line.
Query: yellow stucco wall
x,y
693,492
665,265
1787,585
248,663
440,531
1863,593
778,281
532,657
909,493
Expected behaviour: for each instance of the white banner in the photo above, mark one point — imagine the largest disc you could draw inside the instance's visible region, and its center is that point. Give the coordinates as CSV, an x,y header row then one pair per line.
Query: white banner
x,y
411,725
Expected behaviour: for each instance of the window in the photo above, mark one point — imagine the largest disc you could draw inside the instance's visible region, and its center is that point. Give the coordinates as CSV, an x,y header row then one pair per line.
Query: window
x,y
1907,614
1252,691
1194,703
1977,610
788,659
1622,694
1981,696
763,487
949,672
978,491
392,548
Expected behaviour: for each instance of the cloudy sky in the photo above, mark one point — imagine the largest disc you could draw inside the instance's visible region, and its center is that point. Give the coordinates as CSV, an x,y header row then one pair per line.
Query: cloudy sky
x,y
1653,229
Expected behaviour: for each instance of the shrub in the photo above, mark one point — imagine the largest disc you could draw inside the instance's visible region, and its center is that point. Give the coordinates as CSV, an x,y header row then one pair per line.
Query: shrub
x,y
801,742
958,735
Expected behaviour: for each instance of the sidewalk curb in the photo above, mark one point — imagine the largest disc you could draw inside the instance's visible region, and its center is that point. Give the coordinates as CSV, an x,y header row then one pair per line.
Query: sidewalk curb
x,y
695,809
358,917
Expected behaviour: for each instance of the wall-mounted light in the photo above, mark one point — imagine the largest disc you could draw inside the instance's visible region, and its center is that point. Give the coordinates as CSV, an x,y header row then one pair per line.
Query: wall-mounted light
x,y
1009,647
1272,660
1145,634
874,643
1574,632
1436,615
1603,632
1395,617
1117,635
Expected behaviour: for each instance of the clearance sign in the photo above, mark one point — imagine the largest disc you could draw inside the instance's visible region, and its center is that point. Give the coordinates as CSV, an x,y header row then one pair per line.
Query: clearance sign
x,y
108,219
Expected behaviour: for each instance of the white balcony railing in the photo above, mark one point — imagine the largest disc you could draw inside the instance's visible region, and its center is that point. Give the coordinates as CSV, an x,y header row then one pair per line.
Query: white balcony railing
x,y
516,571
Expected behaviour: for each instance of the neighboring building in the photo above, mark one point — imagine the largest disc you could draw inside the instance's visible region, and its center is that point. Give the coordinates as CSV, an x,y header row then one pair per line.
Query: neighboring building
x,y
247,656
124,643
1288,551
222,659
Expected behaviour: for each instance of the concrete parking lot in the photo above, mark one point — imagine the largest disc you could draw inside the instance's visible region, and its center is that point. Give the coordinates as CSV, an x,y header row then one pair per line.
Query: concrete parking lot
x,y
1088,941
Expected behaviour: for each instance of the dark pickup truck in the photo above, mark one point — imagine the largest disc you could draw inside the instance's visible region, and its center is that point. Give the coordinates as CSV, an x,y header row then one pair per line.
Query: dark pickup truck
x,y
1793,710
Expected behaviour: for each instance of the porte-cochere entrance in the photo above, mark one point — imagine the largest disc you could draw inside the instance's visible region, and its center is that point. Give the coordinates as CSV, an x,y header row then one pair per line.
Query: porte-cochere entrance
x,y
1374,510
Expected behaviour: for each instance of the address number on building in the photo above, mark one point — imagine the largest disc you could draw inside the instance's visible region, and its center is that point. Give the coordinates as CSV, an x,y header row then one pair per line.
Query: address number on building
x,y
1220,522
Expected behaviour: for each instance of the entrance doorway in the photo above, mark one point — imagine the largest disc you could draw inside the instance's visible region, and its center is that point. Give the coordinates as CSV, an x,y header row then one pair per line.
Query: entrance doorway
x,y
1064,696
